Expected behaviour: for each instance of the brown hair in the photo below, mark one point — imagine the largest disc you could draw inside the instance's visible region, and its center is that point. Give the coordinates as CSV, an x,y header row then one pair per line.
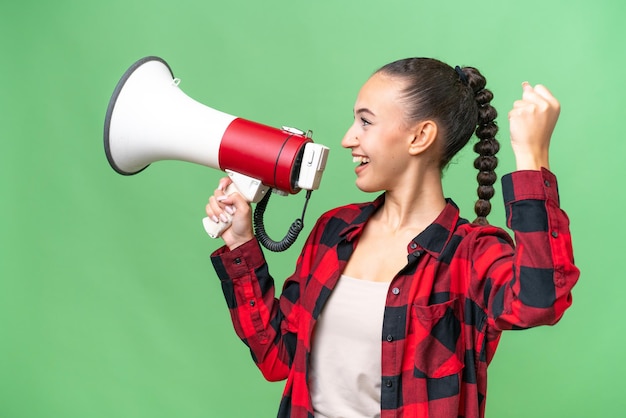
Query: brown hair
x,y
459,103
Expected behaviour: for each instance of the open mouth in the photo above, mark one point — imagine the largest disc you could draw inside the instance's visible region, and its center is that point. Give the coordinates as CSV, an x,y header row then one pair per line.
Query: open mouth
x,y
360,159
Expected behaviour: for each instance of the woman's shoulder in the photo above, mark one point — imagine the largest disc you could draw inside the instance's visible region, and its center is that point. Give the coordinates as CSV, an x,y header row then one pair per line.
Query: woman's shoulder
x,y
473,234
346,210
346,216
353,212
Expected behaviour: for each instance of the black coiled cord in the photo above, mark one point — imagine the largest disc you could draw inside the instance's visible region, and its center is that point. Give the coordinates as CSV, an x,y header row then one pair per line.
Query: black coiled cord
x,y
292,234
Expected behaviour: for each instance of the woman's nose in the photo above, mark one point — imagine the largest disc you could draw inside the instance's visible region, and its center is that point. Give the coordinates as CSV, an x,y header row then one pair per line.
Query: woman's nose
x,y
349,139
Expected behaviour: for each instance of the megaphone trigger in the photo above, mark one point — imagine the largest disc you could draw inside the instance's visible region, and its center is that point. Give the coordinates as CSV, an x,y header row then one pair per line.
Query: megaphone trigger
x,y
249,187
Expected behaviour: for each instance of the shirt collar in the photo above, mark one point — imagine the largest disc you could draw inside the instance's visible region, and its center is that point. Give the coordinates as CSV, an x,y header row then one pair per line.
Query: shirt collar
x,y
365,210
436,236
433,239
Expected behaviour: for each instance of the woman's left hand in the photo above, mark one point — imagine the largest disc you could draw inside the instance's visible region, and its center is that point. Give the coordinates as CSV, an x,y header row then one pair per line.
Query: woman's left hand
x,y
532,121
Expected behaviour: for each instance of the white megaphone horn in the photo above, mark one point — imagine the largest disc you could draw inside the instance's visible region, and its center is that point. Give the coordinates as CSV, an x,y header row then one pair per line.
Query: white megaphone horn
x,y
150,119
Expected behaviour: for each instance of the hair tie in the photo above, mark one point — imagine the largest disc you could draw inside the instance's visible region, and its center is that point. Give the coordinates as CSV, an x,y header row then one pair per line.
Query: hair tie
x,y
461,74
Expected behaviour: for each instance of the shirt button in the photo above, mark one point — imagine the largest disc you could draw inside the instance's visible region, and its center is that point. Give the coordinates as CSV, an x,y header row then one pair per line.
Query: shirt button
x,y
555,234
395,291
390,338
389,383
237,260
252,303
547,183
413,245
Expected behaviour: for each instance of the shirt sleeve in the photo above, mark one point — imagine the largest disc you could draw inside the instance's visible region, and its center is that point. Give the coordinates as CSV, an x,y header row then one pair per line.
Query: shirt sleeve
x,y
527,283
267,325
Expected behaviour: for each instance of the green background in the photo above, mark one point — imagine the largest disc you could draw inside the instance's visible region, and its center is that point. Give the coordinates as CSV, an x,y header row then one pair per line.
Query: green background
x,y
109,306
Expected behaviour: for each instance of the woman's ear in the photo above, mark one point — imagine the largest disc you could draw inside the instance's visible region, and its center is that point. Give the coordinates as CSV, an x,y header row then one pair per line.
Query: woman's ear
x,y
424,135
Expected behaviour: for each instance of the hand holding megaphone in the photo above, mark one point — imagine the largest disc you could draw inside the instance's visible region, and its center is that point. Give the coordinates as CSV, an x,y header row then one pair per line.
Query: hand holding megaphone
x,y
223,207
249,188
150,119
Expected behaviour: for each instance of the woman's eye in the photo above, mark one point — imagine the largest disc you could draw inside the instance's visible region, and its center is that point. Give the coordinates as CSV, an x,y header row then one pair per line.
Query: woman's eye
x,y
365,122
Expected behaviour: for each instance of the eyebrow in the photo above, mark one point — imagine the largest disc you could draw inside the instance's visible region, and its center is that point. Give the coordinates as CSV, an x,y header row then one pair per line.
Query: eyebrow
x,y
364,110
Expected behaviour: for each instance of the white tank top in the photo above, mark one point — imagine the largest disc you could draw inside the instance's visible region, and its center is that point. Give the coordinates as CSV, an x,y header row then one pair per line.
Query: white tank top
x,y
345,370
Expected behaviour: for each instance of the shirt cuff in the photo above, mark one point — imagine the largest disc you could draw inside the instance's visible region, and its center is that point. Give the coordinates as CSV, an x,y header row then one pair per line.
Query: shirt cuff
x,y
233,264
530,184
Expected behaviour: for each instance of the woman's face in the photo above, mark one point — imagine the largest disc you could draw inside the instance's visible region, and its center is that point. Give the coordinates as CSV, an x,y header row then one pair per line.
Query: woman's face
x,y
380,136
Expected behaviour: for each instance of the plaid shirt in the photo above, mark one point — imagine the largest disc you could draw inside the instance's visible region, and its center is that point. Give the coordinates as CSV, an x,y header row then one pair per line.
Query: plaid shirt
x,y
463,284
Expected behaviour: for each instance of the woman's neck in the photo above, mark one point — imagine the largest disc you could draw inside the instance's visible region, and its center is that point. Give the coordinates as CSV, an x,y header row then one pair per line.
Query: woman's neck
x,y
414,205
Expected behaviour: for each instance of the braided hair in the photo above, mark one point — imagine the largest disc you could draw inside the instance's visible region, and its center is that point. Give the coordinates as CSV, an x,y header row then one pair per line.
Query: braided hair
x,y
457,100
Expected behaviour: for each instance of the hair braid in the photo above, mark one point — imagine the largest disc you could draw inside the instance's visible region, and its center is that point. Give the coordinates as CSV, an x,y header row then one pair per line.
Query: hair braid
x,y
487,146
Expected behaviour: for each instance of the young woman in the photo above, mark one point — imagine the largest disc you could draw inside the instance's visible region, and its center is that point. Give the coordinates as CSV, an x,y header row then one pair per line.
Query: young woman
x,y
396,306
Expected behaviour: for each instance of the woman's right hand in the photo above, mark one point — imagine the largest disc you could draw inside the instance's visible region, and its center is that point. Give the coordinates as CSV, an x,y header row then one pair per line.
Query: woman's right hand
x,y
221,205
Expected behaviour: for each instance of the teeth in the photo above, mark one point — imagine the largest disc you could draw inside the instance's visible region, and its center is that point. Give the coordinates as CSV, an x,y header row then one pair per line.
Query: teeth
x,y
360,159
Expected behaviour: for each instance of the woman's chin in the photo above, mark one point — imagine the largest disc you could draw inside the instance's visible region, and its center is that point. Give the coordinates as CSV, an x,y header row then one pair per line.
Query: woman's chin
x,y
366,187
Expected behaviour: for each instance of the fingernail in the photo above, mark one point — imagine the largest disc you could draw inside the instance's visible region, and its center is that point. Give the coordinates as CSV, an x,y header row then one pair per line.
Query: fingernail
x,y
221,198
230,209
223,217
215,219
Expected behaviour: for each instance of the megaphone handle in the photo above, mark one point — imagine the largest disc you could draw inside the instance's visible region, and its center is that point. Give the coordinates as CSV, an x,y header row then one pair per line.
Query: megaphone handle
x,y
215,229
250,188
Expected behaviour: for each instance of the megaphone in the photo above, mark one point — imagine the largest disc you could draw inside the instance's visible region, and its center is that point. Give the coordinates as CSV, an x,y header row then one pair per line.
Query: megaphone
x,y
149,118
